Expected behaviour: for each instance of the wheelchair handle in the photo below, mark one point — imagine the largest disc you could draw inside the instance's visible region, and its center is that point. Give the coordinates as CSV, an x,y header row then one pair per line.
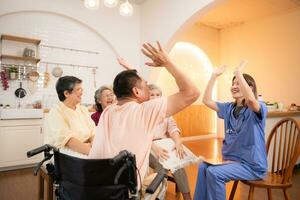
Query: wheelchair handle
x,y
38,150
118,158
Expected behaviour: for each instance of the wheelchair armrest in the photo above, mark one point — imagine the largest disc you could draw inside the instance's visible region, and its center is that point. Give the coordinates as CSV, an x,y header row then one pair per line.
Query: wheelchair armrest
x,y
44,148
156,181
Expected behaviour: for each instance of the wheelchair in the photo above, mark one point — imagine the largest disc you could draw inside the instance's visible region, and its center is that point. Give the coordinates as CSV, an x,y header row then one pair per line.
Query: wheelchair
x,y
96,179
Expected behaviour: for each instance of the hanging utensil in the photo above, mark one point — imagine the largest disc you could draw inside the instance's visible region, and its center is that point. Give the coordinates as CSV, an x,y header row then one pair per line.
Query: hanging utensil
x,y
57,72
46,77
20,92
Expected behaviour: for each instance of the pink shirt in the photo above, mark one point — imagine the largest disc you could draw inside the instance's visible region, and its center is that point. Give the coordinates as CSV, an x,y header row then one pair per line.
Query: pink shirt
x,y
166,129
129,127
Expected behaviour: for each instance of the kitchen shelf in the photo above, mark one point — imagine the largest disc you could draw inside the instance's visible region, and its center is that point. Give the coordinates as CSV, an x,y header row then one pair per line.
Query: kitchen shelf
x,y
34,60
20,39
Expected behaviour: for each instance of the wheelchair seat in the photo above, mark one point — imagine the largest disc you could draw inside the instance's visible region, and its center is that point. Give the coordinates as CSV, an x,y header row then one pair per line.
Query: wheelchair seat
x,y
99,179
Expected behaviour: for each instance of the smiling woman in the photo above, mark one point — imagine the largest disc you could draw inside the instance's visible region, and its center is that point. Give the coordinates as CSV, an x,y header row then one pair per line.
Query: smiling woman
x,y
68,125
103,97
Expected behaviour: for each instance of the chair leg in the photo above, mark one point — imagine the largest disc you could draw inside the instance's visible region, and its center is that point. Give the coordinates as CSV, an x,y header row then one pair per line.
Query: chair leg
x,y
49,188
269,194
40,186
251,193
286,194
232,193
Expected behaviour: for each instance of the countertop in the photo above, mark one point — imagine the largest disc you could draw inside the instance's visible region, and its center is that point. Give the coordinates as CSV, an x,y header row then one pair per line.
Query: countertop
x,y
283,113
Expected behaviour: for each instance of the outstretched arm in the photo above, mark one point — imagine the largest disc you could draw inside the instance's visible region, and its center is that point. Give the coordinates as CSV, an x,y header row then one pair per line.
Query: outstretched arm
x,y
188,92
207,98
124,63
246,90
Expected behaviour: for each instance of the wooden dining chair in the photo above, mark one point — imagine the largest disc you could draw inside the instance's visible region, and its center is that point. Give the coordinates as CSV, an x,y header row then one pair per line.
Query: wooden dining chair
x,y
283,146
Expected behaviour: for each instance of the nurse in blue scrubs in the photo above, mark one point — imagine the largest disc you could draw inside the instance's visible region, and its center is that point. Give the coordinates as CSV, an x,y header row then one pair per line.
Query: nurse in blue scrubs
x,y
244,143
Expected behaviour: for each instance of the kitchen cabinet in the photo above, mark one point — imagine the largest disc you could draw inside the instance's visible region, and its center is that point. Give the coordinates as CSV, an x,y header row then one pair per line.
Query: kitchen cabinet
x,y
16,138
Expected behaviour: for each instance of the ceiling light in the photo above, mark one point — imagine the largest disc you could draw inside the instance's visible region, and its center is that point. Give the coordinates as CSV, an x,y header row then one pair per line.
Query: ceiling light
x,y
126,9
91,4
111,3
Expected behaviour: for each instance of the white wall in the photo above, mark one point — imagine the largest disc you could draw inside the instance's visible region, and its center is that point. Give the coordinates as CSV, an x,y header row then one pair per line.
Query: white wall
x,y
67,23
100,30
163,20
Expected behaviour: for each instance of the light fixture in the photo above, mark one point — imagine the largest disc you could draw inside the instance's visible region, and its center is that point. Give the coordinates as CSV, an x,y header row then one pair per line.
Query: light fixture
x,y
91,4
110,3
126,9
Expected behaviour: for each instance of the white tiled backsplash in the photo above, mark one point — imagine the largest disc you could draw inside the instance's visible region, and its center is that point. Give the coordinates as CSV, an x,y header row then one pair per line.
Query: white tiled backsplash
x,y
59,31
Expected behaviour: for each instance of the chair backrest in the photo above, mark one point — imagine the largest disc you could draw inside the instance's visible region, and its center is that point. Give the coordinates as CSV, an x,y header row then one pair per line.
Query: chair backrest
x,y
95,179
283,145
93,172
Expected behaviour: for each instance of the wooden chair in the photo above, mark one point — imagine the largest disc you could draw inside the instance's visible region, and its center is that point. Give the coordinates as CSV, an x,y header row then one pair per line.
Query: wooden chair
x,y
44,177
283,145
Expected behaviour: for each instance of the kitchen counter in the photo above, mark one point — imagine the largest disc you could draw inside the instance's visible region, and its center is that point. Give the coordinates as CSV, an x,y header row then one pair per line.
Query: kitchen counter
x,y
20,122
283,113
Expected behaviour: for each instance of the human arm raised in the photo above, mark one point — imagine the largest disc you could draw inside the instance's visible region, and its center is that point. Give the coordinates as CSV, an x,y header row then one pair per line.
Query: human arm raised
x,y
188,92
246,90
207,98
124,63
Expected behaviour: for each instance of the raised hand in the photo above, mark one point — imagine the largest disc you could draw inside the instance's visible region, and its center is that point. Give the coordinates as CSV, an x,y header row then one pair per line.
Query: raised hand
x,y
124,63
240,68
158,55
219,70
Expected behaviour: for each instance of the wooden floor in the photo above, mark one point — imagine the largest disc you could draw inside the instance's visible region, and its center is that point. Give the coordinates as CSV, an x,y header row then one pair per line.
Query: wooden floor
x,y
22,185
211,148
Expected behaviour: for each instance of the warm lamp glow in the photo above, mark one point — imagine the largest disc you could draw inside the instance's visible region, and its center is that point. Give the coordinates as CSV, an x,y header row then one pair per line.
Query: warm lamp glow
x,y
126,9
194,62
91,4
110,3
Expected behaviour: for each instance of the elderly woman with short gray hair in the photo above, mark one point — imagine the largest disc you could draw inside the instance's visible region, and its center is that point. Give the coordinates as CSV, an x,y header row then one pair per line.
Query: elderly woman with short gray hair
x,y
68,125
104,97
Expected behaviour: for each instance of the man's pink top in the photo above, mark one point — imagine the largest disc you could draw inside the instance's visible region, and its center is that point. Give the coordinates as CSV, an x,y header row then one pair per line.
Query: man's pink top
x,y
129,127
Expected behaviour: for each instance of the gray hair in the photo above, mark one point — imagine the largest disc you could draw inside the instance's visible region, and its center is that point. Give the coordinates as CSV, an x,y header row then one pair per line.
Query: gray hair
x,y
97,95
154,87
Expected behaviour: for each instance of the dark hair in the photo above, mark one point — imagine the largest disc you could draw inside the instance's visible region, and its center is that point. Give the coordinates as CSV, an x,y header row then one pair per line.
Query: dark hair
x,y
97,95
124,82
66,83
251,82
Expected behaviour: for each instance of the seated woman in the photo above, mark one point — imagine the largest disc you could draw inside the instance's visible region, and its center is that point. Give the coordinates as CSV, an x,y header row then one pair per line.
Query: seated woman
x,y
104,97
168,129
68,125
244,142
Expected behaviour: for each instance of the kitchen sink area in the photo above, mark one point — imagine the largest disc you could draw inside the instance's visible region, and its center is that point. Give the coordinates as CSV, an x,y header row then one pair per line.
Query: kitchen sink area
x,y
20,113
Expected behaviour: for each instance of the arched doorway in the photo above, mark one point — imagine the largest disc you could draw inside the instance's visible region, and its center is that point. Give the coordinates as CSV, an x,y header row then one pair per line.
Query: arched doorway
x,y
196,119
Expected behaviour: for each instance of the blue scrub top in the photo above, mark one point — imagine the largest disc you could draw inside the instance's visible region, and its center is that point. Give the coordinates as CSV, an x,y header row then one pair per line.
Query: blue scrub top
x,y
244,136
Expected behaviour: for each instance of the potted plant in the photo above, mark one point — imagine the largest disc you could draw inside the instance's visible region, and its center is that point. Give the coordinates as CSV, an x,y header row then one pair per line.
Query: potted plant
x,y
13,72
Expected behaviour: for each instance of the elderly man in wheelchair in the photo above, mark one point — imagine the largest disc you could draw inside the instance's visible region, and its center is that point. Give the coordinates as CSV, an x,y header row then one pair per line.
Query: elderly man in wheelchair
x,y
106,171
